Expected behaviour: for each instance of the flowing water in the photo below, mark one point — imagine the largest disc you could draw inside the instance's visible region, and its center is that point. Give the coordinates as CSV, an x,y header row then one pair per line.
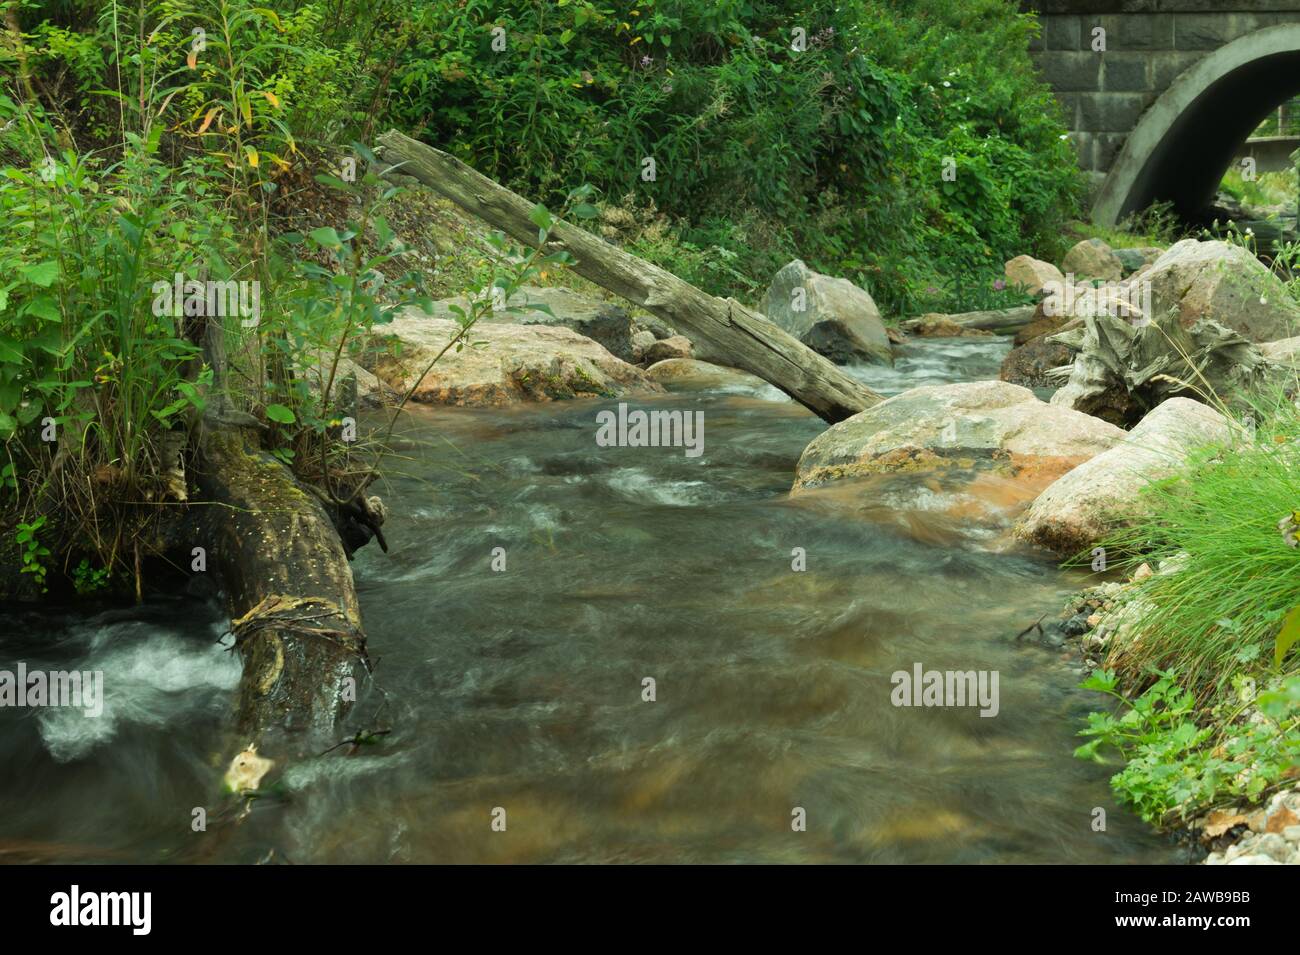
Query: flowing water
x,y
522,689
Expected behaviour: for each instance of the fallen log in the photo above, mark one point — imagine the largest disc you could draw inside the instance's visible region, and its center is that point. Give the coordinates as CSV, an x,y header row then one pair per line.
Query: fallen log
x,y
726,327
289,591
997,320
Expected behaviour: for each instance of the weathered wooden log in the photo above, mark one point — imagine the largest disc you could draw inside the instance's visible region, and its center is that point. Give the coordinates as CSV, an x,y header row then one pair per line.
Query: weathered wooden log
x,y
1003,321
997,320
724,326
289,590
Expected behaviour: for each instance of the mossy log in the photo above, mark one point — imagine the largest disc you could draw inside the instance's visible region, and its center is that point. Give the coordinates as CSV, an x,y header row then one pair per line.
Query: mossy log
x,y
749,340
289,589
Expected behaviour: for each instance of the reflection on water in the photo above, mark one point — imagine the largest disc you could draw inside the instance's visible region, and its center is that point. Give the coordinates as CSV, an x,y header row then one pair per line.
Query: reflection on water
x,y
522,689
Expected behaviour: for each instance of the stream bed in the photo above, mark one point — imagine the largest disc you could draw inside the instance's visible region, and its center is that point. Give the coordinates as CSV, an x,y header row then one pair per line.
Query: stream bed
x,y
521,689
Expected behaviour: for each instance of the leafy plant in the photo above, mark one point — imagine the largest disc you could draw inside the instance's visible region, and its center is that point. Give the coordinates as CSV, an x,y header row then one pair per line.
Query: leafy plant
x,y
33,551
1178,761
88,579
1217,521
842,144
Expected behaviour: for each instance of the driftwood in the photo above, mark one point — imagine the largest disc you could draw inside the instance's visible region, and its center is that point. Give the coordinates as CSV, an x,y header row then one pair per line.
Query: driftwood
x,y
997,320
1003,321
289,590
723,326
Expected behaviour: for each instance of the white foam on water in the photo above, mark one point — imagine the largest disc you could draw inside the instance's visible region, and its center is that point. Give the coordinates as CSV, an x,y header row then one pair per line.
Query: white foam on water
x,y
150,678
641,487
338,766
762,391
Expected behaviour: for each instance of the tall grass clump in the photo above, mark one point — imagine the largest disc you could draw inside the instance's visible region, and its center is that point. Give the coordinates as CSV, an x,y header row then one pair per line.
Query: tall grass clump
x,y
1236,578
1204,661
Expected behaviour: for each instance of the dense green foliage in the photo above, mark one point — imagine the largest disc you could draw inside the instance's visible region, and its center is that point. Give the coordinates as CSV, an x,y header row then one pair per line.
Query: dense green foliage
x,y
1216,632
1237,578
835,151
1179,760
206,140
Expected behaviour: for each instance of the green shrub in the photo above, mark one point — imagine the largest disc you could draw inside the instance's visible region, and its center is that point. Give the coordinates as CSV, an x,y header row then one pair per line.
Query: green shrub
x,y
1266,189
842,146
1178,761
1219,619
82,349
834,153
1237,579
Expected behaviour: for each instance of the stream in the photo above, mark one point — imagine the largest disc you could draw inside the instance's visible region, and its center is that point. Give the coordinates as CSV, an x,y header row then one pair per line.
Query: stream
x,y
521,689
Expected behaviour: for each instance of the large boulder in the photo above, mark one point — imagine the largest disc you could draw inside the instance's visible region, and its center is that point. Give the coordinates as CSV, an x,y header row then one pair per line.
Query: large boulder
x,y
1093,259
1094,499
970,426
830,315
1031,274
1224,283
502,363
350,381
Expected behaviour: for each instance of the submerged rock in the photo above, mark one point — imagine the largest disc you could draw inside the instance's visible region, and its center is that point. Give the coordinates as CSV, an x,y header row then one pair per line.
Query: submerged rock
x,y
501,364
830,315
1032,363
690,374
975,425
675,346
1092,500
936,325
